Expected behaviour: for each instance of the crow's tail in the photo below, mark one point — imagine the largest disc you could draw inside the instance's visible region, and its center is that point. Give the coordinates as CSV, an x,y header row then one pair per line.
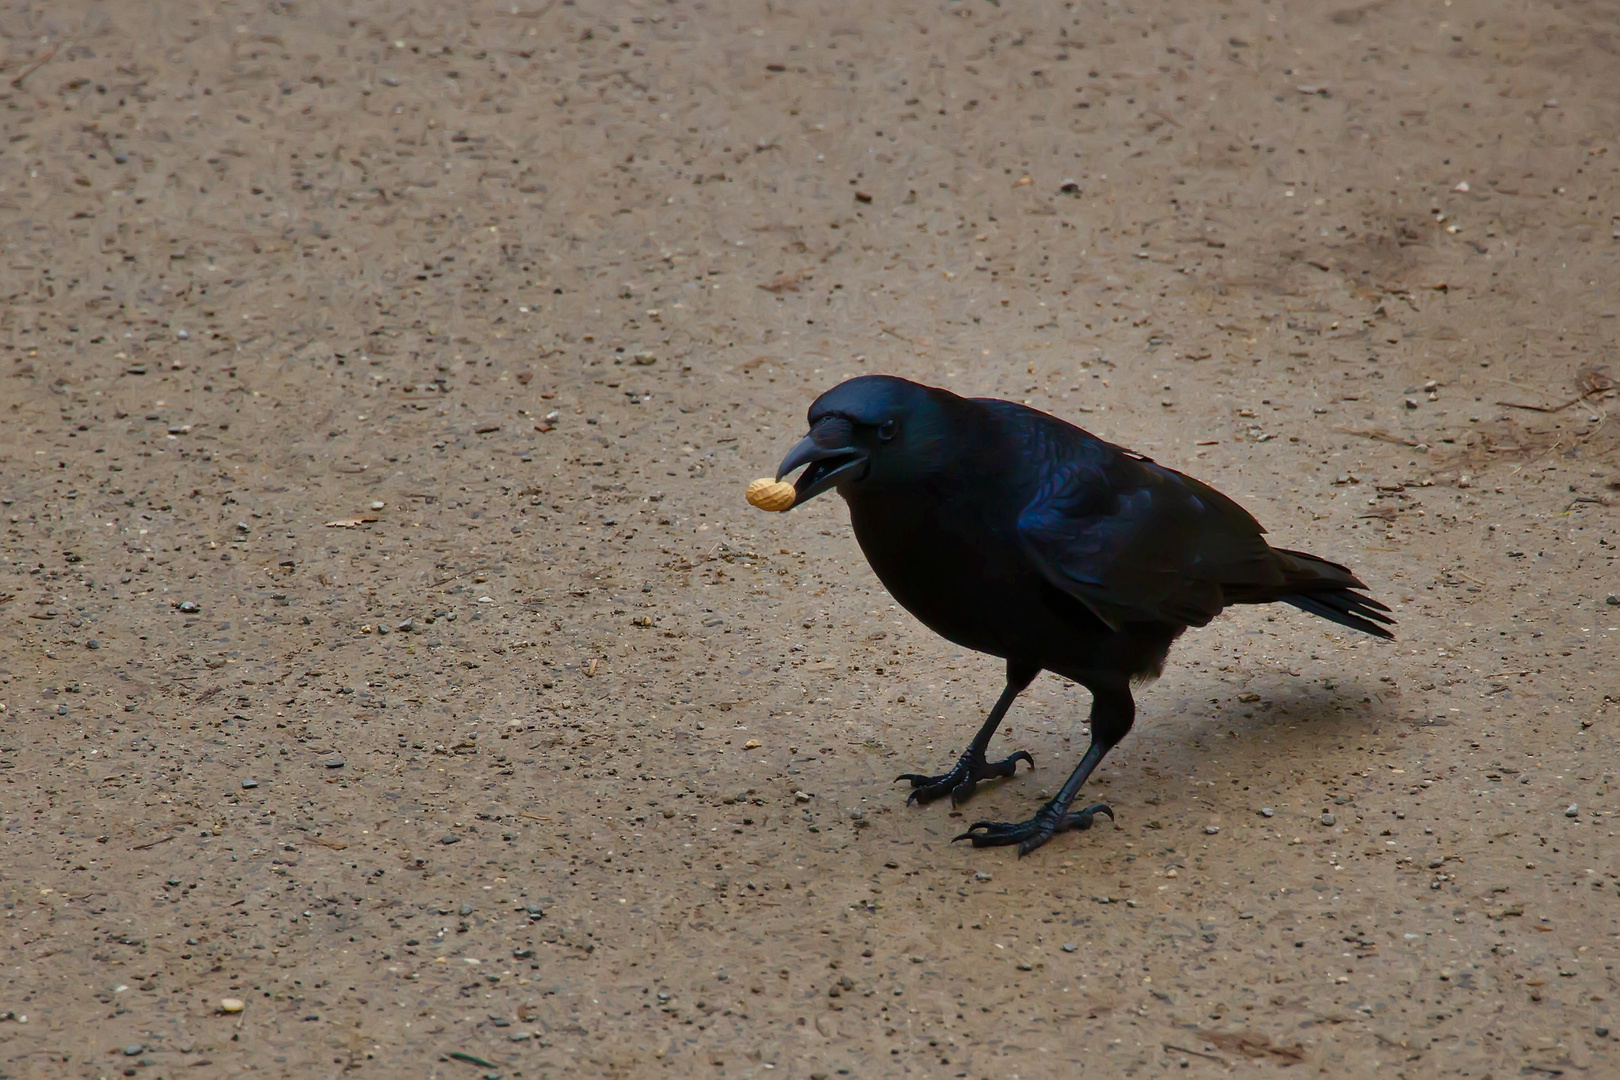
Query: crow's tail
x,y
1329,590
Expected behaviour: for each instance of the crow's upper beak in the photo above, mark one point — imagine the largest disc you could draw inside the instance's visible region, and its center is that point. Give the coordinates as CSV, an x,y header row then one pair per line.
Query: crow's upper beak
x,y
831,455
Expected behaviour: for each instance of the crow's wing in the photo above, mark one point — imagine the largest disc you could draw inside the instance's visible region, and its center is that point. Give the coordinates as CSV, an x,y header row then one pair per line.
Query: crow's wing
x,y
1137,542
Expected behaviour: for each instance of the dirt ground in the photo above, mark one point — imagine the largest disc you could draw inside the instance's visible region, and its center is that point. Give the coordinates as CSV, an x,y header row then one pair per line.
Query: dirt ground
x,y
389,647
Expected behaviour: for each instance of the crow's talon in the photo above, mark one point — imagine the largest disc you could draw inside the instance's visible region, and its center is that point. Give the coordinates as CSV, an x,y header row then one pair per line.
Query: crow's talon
x,y
1048,821
963,780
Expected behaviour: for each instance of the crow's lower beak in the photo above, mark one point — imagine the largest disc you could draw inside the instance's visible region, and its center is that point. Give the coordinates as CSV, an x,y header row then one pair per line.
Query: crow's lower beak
x,y
828,464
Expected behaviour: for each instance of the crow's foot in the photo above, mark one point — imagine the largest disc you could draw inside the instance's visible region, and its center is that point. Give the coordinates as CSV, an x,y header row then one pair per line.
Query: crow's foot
x,y
1048,821
961,782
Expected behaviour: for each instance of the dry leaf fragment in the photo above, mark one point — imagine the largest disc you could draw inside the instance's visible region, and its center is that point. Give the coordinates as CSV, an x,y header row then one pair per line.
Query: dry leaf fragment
x,y
788,281
1255,1045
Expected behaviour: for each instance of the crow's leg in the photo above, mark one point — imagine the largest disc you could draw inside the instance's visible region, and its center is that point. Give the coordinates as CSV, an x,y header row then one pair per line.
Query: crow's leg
x,y
972,767
1112,712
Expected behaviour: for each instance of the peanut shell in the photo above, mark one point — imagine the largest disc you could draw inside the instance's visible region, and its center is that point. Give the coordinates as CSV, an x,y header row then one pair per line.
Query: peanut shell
x,y
773,495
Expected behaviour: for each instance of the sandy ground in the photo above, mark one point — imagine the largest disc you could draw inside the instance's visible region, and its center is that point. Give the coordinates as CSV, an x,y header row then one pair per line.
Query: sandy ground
x,y
388,641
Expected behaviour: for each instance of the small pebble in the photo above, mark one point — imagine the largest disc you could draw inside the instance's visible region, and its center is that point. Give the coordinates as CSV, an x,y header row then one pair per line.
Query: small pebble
x,y
134,1050
242,527
466,909
231,1005
1572,810
379,505
1266,811
188,607
535,910
981,876
1069,946
1601,1032
1435,864
1330,819
449,838
250,784
183,335
333,763
645,359
1212,829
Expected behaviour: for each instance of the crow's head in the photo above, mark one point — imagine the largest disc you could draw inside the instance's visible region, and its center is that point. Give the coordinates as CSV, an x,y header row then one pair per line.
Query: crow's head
x,y
873,430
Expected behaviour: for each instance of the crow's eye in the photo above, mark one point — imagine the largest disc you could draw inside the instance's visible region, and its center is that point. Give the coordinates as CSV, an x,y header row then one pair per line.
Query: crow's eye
x,y
886,430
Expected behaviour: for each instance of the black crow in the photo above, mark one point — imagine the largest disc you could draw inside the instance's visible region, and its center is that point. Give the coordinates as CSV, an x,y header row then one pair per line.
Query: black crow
x,y
1014,533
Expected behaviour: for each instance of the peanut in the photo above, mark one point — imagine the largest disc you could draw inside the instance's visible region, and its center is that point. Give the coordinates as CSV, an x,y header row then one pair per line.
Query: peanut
x,y
768,494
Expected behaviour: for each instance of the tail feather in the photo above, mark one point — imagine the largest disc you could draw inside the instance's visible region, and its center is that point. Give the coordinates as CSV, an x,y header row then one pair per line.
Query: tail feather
x,y
1331,591
1345,608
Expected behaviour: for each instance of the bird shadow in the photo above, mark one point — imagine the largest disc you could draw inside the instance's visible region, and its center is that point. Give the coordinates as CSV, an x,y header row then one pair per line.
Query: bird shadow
x,y
1199,747
1196,748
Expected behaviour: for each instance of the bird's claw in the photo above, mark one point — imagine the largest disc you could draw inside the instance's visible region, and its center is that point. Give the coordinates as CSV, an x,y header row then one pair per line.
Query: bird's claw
x,y
1048,821
963,780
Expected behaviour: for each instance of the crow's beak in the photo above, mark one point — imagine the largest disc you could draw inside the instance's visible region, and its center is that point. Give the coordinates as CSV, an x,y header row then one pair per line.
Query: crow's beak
x,y
828,452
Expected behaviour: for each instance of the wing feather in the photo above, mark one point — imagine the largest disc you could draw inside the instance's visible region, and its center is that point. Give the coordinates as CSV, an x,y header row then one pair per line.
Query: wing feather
x,y
1137,542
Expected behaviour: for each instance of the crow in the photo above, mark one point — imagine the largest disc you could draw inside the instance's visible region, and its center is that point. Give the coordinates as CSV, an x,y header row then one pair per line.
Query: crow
x,y
1011,532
